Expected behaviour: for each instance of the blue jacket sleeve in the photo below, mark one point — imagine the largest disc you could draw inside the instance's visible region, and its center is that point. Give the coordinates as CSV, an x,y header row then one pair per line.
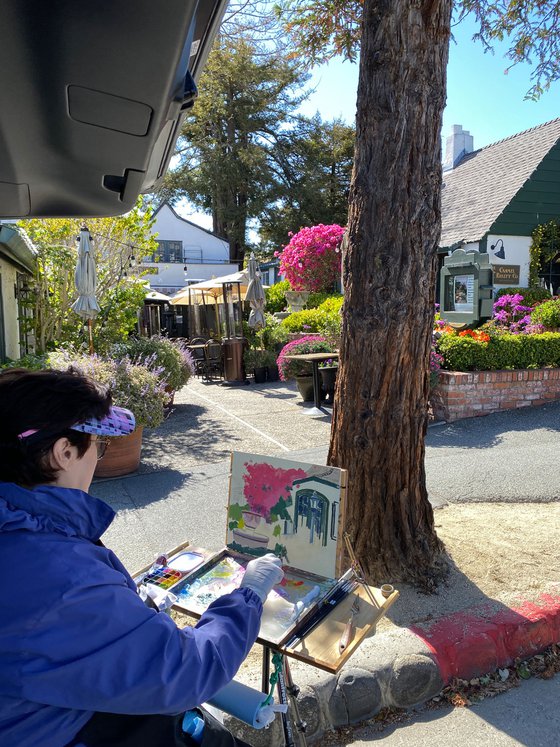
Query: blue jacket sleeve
x,y
101,649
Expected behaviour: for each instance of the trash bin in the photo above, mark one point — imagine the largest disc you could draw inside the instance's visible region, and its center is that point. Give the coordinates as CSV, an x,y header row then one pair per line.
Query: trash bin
x,y
234,371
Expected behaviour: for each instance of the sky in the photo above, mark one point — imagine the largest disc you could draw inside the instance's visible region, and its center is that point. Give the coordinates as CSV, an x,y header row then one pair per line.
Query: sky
x,y
480,97
487,103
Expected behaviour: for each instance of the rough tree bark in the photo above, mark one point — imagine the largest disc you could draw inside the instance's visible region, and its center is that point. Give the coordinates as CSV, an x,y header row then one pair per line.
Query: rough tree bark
x,y
380,413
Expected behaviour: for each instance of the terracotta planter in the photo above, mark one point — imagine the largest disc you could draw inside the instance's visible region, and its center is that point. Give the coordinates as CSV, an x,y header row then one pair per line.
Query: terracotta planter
x,y
122,455
305,387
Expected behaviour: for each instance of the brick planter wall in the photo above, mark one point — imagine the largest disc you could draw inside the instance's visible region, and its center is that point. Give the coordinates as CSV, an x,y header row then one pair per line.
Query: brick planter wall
x,y
467,395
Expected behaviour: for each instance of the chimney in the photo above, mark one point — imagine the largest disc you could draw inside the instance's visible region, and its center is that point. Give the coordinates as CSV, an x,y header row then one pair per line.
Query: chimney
x,y
458,144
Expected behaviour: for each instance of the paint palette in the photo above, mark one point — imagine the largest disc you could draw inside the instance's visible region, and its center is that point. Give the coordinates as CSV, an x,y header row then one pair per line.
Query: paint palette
x,y
164,578
172,571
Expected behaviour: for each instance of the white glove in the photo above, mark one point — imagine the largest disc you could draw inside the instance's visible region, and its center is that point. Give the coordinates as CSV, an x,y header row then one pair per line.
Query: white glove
x,y
262,574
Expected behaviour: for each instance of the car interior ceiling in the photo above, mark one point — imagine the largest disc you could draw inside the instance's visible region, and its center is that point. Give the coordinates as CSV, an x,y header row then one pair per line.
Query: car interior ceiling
x,y
93,97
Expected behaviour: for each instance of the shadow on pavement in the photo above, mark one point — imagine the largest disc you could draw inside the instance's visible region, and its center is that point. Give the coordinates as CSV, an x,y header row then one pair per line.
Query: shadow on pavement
x,y
186,431
488,431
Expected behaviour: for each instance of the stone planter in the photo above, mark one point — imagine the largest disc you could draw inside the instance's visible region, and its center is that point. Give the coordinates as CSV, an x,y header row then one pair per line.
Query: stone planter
x,y
297,300
305,387
122,455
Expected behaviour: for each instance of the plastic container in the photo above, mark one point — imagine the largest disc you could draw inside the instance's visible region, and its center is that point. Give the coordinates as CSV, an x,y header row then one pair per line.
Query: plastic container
x,y
193,725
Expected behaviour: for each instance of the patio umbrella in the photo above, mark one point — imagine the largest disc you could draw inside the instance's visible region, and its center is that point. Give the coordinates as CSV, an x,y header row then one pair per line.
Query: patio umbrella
x,y
255,295
85,278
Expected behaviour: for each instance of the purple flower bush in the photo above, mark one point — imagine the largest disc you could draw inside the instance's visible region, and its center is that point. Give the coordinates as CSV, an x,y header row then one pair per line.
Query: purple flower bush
x,y
132,385
312,259
510,315
290,369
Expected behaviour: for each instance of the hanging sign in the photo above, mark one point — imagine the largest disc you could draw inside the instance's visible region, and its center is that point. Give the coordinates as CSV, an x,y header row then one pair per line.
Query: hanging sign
x,y
506,274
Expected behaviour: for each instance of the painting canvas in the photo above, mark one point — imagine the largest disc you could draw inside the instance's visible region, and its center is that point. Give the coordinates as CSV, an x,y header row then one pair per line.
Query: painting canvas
x,y
289,508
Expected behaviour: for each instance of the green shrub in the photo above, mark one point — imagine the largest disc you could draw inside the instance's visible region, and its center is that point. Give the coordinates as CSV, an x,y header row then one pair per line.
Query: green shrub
x,y
332,304
308,320
316,299
503,351
273,333
531,296
547,314
257,358
323,319
30,361
276,296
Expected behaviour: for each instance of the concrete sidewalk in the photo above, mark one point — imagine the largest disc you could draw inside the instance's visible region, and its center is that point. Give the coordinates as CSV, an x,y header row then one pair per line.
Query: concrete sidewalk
x,y
180,493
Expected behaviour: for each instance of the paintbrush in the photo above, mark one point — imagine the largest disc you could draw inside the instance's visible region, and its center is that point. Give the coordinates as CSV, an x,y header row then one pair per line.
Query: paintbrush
x,y
348,632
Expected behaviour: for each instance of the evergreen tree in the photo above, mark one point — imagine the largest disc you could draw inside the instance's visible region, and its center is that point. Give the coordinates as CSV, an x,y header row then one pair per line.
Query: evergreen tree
x,y
227,142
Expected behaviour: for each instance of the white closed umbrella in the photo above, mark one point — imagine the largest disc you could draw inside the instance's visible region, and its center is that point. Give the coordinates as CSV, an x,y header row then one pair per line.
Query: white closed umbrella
x,y
86,280
255,295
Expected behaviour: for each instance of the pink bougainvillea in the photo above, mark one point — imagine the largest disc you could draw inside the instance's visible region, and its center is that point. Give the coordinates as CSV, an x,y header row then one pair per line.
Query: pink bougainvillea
x,y
312,259
265,485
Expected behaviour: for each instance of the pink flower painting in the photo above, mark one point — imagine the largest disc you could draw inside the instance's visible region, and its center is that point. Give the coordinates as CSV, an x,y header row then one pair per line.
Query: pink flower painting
x,y
266,485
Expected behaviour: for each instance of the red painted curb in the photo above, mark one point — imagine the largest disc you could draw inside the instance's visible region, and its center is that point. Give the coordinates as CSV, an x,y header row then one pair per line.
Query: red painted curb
x,y
480,639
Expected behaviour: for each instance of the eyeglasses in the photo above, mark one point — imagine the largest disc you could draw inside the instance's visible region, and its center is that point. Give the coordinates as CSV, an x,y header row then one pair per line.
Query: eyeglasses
x,y
101,446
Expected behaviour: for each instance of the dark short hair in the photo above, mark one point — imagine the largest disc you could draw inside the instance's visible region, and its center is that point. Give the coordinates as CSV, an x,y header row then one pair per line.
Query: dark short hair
x,y
48,401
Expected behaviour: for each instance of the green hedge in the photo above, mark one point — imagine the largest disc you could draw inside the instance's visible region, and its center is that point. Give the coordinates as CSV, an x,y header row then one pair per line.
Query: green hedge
x,y
313,320
547,313
276,296
530,295
503,351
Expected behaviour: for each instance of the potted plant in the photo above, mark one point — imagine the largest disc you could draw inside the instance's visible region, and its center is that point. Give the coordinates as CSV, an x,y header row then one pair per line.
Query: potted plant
x,y
301,370
133,386
272,373
328,370
170,361
256,361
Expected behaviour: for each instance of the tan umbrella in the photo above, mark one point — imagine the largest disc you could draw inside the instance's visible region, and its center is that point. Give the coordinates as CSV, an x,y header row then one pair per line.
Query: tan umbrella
x,y
198,293
86,281
255,295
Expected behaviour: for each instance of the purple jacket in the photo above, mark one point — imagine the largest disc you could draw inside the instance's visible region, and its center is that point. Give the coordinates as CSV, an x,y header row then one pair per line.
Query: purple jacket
x,y
75,638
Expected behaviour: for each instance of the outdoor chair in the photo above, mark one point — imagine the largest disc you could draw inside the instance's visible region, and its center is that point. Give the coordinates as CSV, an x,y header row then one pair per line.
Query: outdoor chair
x,y
199,359
214,360
198,341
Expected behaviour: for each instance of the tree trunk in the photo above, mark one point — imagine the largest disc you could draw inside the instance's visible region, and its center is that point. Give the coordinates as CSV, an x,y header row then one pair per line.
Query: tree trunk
x,y
381,407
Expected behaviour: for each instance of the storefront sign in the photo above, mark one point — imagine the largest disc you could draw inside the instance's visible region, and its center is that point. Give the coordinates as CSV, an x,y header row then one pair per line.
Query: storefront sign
x,y
506,274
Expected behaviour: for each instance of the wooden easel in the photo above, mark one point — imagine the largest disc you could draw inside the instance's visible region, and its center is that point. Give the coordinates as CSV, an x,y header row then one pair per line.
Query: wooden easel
x,y
320,648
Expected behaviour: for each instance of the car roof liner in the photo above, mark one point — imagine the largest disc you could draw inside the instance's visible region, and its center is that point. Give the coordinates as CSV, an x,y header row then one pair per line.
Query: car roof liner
x,y
93,97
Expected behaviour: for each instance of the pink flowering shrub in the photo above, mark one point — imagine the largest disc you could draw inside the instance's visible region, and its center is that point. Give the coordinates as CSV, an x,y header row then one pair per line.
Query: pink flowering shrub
x,y
312,259
289,369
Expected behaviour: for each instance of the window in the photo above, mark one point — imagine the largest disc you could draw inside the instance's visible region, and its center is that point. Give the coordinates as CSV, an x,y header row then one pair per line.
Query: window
x,y
168,251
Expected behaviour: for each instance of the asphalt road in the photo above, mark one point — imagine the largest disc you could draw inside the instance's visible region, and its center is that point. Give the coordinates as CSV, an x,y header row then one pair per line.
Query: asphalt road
x,y
527,715
509,456
182,487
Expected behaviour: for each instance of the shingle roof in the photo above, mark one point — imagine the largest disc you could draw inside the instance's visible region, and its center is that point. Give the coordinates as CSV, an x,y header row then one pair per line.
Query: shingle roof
x,y
484,182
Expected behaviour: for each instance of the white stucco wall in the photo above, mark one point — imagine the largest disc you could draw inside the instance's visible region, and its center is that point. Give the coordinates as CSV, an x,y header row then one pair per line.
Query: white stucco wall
x,y
170,228
516,249
11,326
198,243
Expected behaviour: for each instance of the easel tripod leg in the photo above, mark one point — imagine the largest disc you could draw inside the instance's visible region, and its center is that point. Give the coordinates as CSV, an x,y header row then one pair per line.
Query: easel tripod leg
x,y
283,698
265,678
293,691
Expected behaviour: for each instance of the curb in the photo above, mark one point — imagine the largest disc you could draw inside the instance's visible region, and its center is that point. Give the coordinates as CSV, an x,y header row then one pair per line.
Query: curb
x,y
406,667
